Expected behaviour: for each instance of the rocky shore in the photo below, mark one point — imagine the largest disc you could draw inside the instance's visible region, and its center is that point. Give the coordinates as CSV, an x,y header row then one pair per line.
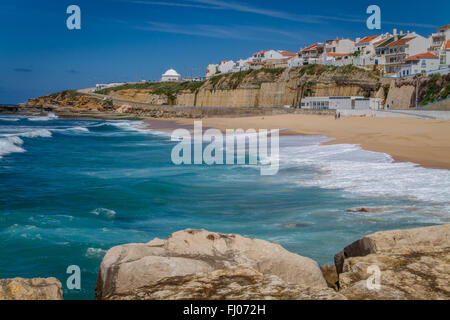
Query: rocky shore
x,y
201,265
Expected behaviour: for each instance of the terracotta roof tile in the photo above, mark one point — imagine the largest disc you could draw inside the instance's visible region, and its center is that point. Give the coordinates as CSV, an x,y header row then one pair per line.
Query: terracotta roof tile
x,y
400,42
424,55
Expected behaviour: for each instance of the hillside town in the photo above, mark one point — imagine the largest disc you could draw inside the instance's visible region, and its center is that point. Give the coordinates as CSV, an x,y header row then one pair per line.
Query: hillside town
x,y
398,54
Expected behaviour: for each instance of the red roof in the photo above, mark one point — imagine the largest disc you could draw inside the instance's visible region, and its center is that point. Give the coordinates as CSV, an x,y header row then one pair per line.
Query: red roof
x,y
287,53
367,39
310,47
257,63
425,55
447,46
400,42
264,51
334,54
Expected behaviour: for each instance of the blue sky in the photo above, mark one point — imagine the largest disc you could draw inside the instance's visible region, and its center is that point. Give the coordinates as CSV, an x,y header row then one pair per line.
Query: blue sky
x,y
129,40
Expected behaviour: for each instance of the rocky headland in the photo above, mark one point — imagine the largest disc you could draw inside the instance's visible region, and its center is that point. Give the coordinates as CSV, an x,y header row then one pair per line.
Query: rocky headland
x,y
411,264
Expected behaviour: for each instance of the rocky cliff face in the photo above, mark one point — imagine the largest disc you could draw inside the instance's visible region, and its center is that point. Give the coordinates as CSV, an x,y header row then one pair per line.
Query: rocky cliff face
x,y
280,87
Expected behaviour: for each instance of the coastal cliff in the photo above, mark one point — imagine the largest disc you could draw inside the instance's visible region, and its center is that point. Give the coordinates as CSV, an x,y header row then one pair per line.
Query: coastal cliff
x,y
252,89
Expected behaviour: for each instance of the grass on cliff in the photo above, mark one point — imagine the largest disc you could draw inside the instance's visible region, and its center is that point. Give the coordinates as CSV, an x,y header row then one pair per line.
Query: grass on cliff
x,y
237,78
318,69
170,89
438,88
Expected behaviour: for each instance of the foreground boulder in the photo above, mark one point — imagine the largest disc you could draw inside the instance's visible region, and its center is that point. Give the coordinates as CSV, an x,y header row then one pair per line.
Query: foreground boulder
x,y
31,289
236,283
413,264
136,271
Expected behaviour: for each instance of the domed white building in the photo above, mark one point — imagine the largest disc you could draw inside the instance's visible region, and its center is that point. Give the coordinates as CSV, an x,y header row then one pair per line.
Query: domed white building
x,y
170,75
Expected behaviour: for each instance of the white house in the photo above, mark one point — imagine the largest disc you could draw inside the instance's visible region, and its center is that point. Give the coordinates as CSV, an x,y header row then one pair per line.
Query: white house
x,y
399,50
312,54
170,76
419,63
296,62
341,103
336,59
211,70
339,46
445,54
265,55
101,86
225,66
437,39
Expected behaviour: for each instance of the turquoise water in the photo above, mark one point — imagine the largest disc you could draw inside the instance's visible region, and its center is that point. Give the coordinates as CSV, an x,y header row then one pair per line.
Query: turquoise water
x,y
72,189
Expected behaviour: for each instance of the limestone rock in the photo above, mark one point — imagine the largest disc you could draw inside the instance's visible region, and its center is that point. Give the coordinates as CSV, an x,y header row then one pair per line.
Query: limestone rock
x,y
330,275
31,289
413,264
132,266
236,283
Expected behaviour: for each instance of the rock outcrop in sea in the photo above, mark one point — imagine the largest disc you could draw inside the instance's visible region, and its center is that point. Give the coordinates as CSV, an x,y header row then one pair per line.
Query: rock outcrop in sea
x,y
201,265
127,269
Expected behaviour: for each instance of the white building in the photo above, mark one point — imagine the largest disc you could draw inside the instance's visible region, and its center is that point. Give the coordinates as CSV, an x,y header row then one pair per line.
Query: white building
x,y
437,39
419,63
296,62
211,70
171,76
339,46
225,66
445,54
102,86
399,50
341,103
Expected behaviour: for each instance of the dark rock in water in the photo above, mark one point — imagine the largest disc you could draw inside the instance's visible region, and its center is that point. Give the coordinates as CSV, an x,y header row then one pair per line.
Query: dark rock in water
x,y
293,225
365,210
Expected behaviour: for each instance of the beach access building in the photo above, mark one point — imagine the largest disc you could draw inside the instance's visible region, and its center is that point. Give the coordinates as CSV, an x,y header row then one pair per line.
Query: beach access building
x,y
341,103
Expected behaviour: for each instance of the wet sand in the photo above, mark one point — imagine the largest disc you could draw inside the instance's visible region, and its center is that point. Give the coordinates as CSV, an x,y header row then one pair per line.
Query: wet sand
x,y
425,142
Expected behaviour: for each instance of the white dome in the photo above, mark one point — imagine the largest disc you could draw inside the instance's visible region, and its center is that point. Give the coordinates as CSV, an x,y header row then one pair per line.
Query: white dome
x,y
171,73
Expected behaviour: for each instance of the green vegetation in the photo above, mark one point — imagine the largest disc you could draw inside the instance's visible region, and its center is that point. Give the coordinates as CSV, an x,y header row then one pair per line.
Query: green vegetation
x,y
69,94
170,89
315,69
235,79
438,88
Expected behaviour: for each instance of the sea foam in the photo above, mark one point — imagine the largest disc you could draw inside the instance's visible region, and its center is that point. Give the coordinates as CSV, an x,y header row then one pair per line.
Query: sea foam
x,y
365,173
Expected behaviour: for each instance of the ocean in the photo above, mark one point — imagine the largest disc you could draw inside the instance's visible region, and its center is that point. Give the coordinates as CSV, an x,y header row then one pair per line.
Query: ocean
x,y
72,189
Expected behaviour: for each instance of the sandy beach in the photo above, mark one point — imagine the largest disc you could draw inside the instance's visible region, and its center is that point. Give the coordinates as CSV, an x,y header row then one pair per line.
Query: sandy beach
x,y
425,142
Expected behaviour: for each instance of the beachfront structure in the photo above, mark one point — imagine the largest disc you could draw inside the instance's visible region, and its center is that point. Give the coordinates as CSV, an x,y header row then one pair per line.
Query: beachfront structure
x,y
341,103
171,76
440,37
398,50
419,63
